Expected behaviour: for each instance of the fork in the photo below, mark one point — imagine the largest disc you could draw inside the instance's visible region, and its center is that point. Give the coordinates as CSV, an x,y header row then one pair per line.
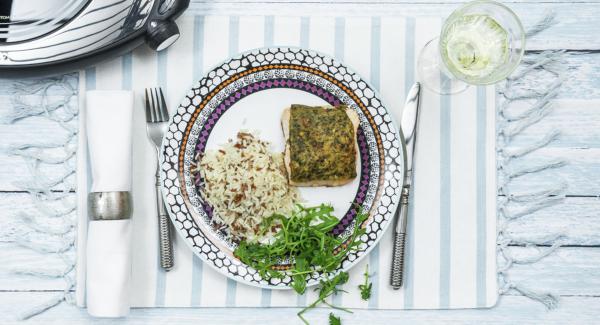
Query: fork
x,y
156,125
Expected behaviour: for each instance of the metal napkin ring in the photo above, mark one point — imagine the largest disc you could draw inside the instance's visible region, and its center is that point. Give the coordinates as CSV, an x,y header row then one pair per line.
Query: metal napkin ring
x,y
109,205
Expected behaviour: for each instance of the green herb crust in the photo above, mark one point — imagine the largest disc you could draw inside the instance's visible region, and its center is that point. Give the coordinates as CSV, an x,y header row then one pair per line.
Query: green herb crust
x,y
321,143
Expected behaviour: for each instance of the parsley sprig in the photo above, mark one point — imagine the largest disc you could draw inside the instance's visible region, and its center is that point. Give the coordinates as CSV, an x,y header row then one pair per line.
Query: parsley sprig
x,y
326,289
305,241
333,320
366,287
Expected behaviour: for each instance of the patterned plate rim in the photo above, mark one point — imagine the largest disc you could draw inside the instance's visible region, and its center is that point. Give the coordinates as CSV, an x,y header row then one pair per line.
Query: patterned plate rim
x,y
377,200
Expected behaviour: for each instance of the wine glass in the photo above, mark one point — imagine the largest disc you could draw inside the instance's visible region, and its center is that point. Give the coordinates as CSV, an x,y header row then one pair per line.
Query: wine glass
x,y
481,43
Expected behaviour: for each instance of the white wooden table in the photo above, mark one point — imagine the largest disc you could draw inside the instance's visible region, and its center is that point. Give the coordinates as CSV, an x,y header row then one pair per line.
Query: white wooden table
x,y
573,272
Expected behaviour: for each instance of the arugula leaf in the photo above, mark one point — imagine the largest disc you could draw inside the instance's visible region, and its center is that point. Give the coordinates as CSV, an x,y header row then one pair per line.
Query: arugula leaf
x,y
326,289
299,280
365,288
305,241
334,320
329,287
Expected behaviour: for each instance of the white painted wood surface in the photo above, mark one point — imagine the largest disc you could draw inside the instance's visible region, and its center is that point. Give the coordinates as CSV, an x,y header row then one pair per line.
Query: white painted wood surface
x,y
510,310
572,272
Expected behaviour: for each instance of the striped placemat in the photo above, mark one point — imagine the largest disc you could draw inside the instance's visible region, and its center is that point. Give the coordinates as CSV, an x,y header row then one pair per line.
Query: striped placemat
x,y
451,260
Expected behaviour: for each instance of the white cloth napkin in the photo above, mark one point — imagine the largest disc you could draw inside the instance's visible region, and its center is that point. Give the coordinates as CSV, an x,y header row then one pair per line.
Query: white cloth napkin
x,y
108,123
109,268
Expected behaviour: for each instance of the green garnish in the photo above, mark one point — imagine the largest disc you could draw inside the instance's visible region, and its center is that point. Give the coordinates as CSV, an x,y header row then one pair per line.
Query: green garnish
x,y
334,320
304,241
326,289
365,288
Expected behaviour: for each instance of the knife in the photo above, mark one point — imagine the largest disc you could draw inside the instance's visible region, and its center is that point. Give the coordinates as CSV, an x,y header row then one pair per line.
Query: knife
x,y
408,126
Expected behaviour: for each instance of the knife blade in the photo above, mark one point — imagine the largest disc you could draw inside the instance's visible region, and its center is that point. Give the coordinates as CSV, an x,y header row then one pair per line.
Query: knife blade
x,y
408,126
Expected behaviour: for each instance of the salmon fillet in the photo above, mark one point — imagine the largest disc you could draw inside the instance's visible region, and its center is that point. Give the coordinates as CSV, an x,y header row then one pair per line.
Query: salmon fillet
x,y
321,147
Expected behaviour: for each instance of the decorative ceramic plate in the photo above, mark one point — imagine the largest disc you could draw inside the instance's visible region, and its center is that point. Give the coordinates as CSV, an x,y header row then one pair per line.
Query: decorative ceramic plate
x,y
250,92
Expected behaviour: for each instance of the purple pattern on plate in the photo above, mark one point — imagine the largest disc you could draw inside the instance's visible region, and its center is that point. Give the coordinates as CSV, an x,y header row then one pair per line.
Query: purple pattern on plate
x,y
363,187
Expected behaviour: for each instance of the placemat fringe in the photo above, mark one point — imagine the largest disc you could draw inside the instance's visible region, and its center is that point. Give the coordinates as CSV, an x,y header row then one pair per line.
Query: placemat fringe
x,y
34,311
513,121
50,228
546,22
548,299
52,90
511,153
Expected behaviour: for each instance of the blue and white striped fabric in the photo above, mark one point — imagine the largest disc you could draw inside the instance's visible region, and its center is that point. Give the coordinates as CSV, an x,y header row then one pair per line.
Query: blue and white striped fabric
x,y
451,260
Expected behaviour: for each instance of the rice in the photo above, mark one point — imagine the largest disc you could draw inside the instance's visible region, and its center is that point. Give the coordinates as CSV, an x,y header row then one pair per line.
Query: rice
x,y
244,182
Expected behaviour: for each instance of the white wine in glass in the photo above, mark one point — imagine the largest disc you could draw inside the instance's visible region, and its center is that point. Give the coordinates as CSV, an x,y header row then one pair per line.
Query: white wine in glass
x,y
480,43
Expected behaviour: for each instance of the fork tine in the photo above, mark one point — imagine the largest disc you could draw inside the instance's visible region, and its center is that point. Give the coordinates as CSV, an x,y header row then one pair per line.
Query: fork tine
x,y
157,117
148,119
153,106
164,113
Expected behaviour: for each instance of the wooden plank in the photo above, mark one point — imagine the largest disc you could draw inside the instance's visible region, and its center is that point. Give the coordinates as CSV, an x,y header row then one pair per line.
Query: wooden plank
x,y
579,218
568,271
581,173
16,174
26,130
582,76
39,129
576,217
576,28
15,257
21,258
576,119
573,105
578,144
510,309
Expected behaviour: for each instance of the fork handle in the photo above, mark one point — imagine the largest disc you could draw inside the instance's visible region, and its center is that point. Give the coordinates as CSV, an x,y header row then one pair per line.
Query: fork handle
x,y
164,230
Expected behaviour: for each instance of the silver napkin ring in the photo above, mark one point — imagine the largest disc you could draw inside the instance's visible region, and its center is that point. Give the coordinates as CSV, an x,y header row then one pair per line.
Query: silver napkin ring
x,y
109,205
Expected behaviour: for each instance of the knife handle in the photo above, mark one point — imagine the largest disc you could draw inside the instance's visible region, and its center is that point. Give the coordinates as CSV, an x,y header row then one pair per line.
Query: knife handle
x,y
398,261
397,275
164,230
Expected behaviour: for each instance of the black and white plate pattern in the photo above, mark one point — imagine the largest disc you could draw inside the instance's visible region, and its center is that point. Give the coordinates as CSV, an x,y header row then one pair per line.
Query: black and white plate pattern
x,y
250,92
